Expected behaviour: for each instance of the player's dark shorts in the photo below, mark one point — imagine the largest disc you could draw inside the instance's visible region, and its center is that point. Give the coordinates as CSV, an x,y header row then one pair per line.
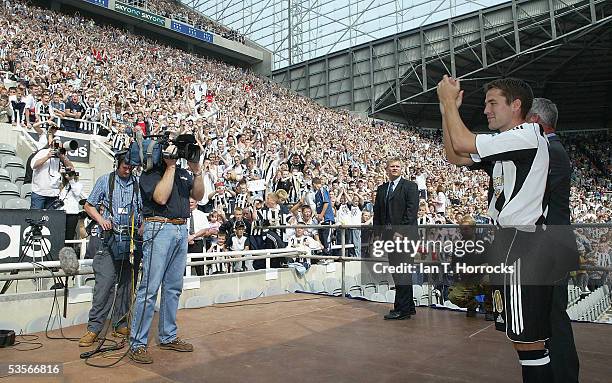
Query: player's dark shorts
x,y
522,301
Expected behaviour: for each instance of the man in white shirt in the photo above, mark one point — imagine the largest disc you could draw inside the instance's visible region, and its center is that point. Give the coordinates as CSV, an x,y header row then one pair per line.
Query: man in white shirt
x,y
46,176
421,181
199,229
300,240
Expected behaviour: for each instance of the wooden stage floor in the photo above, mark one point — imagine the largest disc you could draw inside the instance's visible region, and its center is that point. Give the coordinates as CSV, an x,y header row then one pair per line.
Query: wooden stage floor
x,y
310,338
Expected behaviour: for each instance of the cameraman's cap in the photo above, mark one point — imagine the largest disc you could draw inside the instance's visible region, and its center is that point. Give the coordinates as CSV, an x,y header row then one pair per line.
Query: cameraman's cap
x,y
57,139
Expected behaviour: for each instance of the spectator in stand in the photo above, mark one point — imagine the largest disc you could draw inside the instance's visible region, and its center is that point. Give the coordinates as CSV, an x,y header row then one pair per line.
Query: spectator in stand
x,y
440,201
73,110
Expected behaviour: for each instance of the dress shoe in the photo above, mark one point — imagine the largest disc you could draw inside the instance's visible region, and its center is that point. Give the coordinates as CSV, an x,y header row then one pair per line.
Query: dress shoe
x,y
470,313
489,317
412,311
397,315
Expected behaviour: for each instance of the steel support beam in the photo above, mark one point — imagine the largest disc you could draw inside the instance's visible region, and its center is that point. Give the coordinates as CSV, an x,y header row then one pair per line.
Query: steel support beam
x,y
307,72
397,74
372,94
351,79
327,81
423,61
451,48
483,41
553,22
517,39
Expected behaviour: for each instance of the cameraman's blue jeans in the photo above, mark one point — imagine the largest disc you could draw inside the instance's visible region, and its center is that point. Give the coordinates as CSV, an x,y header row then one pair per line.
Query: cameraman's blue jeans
x,y
38,201
163,264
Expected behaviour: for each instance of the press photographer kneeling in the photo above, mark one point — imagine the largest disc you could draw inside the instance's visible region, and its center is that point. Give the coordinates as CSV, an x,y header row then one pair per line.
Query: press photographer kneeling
x,y
165,189
47,167
115,204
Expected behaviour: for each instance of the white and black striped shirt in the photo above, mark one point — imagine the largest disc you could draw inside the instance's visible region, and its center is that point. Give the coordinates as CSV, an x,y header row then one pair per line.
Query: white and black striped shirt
x,y
223,202
242,200
517,163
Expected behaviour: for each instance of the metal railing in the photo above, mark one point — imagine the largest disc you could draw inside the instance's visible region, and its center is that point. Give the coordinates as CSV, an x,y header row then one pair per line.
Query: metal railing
x,y
267,254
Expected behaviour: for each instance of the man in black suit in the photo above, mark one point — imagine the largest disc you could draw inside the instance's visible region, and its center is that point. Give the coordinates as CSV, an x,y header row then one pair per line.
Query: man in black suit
x,y
561,238
397,204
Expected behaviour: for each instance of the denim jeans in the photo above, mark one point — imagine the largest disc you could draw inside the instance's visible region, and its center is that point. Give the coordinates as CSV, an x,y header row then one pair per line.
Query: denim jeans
x,y
38,201
163,264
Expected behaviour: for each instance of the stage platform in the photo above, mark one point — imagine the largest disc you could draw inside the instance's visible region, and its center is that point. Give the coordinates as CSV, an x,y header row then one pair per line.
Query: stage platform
x,y
311,338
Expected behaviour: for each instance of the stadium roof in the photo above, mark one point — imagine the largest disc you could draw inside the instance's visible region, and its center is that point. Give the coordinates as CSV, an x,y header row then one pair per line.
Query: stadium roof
x,y
298,30
563,48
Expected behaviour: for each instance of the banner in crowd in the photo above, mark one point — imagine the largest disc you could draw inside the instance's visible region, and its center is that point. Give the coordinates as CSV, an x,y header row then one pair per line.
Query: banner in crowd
x,y
191,31
14,234
81,154
101,3
140,14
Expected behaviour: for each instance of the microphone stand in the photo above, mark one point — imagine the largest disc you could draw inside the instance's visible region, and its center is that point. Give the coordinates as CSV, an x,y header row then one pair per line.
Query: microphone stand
x,y
65,296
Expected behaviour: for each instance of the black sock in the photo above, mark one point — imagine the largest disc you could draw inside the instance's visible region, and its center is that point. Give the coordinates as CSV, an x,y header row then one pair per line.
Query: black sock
x,y
536,366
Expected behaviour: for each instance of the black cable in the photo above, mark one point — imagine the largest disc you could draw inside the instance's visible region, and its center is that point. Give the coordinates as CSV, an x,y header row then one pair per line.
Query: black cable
x,y
32,341
224,305
130,311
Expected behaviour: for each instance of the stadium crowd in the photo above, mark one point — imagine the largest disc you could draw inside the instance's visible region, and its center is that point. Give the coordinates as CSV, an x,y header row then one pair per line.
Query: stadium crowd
x,y
177,11
263,144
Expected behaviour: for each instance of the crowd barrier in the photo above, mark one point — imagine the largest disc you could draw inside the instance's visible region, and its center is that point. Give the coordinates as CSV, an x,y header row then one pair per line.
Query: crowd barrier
x,y
238,256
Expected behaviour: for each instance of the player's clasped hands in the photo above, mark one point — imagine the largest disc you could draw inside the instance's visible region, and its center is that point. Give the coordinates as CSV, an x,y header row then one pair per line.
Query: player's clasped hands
x,y
449,90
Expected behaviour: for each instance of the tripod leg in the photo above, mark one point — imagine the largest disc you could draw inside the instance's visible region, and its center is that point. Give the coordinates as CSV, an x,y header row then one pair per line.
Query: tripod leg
x,y
28,245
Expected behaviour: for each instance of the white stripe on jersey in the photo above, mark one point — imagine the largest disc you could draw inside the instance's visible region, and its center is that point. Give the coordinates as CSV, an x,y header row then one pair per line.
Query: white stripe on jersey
x,y
241,200
517,162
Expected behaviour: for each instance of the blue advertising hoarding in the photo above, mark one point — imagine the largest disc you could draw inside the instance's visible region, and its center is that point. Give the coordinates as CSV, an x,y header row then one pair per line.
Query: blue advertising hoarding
x,y
101,3
191,31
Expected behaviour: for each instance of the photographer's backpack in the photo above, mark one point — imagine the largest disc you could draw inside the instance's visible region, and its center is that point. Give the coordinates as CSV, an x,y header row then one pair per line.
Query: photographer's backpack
x,y
27,179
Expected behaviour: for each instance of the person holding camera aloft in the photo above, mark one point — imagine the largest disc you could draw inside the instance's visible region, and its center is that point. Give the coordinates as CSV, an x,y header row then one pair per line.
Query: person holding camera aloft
x,y
47,176
165,193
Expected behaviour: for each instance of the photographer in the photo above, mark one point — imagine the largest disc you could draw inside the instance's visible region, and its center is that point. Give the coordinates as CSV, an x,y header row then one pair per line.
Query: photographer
x,y
46,175
69,197
115,204
165,194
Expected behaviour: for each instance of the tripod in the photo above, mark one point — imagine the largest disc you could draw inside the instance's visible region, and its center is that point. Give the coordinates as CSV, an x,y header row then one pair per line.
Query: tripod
x,y
37,245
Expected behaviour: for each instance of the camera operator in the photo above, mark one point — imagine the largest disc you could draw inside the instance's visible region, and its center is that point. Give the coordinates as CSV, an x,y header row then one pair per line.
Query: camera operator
x,y
46,175
69,196
165,194
115,204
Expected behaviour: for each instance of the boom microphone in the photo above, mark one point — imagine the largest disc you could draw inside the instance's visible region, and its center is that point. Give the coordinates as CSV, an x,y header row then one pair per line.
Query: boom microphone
x,y
69,262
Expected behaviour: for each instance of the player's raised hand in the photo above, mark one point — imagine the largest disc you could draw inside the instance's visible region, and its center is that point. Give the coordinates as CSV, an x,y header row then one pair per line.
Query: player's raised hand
x,y
449,89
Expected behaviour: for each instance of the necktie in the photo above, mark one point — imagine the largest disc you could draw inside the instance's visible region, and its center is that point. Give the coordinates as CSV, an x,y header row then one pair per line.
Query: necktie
x,y
390,190
387,207
191,226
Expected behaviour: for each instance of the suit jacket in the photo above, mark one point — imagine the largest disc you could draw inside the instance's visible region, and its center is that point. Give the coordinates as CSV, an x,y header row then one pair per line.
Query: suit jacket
x,y
560,236
558,185
403,204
